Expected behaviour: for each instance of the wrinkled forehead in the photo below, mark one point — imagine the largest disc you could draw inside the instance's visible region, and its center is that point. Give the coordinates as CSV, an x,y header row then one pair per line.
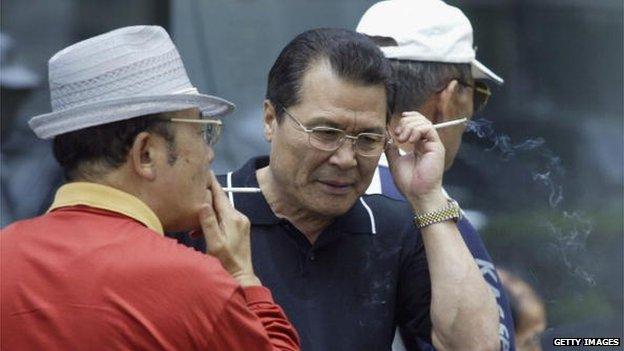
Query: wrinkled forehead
x,y
325,95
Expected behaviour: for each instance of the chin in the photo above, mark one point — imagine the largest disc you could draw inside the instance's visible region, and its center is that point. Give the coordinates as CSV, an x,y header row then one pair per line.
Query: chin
x,y
448,165
333,207
449,159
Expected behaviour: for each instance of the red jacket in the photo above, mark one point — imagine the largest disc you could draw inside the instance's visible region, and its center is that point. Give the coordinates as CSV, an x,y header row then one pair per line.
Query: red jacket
x,y
81,278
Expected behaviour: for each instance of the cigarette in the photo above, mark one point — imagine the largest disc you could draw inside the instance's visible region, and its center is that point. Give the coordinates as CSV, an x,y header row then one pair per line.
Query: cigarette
x,y
241,190
450,123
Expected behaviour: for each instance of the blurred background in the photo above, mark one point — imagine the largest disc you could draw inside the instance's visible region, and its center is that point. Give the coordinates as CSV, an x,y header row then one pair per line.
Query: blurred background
x,y
545,179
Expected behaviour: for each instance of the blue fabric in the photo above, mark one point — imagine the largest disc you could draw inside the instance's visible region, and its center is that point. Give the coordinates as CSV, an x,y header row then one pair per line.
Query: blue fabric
x,y
484,261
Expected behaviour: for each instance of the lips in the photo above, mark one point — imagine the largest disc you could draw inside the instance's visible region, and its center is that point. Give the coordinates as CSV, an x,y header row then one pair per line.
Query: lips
x,y
337,187
337,183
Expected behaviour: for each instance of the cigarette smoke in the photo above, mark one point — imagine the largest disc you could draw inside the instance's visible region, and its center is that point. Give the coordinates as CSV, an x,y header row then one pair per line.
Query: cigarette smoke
x,y
570,235
572,229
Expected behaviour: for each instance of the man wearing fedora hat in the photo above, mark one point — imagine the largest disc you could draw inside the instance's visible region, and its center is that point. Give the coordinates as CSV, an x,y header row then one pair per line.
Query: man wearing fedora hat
x,y
135,141
430,48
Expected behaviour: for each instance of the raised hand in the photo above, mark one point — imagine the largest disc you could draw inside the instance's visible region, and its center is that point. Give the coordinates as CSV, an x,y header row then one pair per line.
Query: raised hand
x,y
227,235
418,174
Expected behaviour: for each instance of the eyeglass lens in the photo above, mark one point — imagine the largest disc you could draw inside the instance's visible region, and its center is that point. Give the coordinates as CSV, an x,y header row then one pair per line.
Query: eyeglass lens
x,y
212,133
366,144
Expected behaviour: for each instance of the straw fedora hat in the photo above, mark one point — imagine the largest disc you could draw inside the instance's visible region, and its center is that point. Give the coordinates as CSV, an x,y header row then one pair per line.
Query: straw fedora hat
x,y
122,74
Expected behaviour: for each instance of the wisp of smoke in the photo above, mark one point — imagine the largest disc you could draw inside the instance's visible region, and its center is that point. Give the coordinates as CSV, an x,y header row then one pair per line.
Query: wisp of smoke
x,y
571,235
572,232
549,177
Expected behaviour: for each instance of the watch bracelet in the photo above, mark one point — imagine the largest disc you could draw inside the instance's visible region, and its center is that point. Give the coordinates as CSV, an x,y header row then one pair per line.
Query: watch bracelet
x,y
450,211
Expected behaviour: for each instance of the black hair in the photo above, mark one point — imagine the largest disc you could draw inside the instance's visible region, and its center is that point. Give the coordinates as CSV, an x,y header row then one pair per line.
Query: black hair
x,y
352,56
106,145
415,81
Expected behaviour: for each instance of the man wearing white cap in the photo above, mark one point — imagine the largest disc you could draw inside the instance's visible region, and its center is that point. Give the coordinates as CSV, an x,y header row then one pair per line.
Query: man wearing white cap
x,y
135,141
430,47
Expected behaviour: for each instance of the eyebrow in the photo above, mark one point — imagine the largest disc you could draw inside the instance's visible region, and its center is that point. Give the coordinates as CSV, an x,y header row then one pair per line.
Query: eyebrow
x,y
320,121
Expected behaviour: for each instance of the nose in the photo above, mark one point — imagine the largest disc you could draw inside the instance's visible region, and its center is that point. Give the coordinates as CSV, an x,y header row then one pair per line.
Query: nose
x,y
344,156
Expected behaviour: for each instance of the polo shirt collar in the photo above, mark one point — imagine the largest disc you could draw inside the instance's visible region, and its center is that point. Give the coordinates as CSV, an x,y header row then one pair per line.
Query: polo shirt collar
x,y
106,198
359,219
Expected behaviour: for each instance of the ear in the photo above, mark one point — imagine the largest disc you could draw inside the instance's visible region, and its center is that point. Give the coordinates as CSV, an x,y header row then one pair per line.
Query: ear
x,y
431,109
447,108
269,120
142,155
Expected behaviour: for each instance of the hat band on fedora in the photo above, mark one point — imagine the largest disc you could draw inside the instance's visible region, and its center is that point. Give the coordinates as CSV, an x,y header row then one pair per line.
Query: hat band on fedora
x,y
156,75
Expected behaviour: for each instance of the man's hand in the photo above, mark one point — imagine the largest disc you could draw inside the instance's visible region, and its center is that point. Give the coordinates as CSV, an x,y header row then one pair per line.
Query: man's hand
x,y
227,235
463,312
418,174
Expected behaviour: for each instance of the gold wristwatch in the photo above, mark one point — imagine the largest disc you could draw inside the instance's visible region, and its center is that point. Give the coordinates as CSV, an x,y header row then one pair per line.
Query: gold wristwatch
x,y
450,211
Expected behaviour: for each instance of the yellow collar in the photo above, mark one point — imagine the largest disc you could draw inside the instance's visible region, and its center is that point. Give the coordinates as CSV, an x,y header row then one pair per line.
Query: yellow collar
x,y
106,198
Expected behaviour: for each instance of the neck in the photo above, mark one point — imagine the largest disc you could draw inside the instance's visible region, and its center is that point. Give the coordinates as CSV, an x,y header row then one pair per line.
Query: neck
x,y
121,179
285,206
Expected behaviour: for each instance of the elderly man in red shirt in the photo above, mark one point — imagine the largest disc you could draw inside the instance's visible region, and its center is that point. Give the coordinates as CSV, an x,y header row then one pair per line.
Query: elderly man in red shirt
x,y
135,141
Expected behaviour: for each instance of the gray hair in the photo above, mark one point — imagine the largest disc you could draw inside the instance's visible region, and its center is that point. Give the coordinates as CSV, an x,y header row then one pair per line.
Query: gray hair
x,y
415,81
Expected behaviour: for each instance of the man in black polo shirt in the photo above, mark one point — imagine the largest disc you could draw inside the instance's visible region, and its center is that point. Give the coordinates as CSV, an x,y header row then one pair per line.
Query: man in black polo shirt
x,y
346,267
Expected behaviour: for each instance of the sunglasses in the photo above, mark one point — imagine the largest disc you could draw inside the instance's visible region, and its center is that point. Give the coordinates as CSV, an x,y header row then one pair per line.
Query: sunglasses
x,y
481,94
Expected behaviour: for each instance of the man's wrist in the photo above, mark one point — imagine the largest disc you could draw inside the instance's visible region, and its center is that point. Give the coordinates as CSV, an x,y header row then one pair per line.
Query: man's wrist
x,y
449,212
428,202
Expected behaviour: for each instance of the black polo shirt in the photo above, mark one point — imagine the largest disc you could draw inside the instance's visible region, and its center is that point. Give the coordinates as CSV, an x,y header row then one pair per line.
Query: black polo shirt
x,y
366,272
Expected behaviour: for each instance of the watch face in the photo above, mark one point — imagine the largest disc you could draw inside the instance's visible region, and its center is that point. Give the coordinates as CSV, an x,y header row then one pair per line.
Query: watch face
x,y
456,210
459,215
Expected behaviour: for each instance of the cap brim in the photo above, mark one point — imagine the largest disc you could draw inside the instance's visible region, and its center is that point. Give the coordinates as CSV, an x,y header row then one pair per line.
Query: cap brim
x,y
49,125
479,71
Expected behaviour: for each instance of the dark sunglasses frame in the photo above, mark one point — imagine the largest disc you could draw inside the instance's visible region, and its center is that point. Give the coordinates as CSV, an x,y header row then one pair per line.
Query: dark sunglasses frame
x,y
481,94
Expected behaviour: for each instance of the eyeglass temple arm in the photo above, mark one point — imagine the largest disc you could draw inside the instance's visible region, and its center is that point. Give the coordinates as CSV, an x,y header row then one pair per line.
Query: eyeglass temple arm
x,y
198,121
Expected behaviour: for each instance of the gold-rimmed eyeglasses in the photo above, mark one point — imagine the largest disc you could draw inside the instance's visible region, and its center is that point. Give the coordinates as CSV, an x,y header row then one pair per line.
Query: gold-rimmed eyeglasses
x,y
331,139
211,131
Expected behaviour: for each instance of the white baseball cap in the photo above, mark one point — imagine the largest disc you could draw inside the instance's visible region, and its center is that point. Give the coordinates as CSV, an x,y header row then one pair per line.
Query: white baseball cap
x,y
425,30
